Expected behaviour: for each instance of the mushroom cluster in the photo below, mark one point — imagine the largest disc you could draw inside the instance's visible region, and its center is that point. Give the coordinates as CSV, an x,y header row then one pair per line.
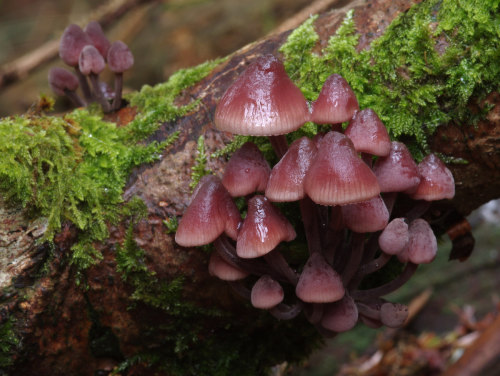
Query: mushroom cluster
x,y
88,51
347,185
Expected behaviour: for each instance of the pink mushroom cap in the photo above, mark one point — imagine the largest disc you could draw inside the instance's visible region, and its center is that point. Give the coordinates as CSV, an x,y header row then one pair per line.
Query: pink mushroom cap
x,y
246,172
263,101
286,182
436,181
368,133
367,216
337,175
336,102
263,229
266,293
211,213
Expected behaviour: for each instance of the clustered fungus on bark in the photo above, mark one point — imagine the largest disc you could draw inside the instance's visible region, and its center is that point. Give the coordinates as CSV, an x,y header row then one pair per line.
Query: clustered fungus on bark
x,y
88,51
347,185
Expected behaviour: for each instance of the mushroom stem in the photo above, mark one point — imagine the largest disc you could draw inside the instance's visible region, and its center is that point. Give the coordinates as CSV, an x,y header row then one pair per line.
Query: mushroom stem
x,y
117,100
286,312
366,310
279,144
84,84
374,265
276,260
308,210
75,98
253,266
314,312
94,79
239,288
355,257
396,283
389,200
418,210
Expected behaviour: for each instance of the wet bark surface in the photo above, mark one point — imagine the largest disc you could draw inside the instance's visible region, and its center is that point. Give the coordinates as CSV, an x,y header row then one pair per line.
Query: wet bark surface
x,y
60,324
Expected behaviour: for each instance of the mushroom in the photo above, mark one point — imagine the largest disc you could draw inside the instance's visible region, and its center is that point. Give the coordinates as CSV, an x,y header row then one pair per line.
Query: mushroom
x,y
422,243
393,315
318,282
368,133
211,213
263,229
71,45
337,175
63,82
286,182
119,60
263,101
91,64
336,102
341,315
96,35
266,293
397,172
367,216
436,181
246,172
395,237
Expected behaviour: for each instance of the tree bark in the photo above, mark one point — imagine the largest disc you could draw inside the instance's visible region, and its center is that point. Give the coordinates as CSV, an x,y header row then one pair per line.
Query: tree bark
x,y
58,328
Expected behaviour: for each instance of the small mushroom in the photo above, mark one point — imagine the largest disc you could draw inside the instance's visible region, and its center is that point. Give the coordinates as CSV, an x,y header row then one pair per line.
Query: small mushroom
x,y
211,213
246,172
263,229
91,64
393,315
266,293
395,237
337,175
71,45
286,182
368,133
341,315
366,216
63,82
96,35
336,102
397,172
422,243
318,282
263,101
437,181
119,60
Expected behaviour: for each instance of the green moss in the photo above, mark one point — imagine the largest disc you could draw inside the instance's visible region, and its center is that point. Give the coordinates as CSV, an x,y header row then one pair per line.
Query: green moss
x,y
74,168
199,169
402,76
8,341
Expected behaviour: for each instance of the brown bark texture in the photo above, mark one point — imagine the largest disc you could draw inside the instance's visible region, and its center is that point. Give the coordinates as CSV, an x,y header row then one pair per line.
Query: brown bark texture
x,y
58,323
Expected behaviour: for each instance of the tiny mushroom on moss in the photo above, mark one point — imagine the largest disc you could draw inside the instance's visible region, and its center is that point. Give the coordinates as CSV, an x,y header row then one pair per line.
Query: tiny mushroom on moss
x,y
266,293
63,82
436,182
120,59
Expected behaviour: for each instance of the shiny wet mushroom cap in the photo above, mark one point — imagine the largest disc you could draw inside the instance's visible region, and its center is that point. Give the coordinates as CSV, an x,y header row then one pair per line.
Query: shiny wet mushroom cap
x,y
263,101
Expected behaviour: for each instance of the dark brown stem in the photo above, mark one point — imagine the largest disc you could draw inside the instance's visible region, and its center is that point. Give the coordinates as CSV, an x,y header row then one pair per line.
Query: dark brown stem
x,y
84,85
117,100
254,266
389,200
367,311
314,312
396,283
311,224
286,312
418,210
279,144
276,260
374,265
239,288
94,79
355,257
75,98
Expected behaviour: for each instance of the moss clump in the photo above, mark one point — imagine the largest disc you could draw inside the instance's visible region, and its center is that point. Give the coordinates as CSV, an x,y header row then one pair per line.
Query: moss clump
x,y
403,76
73,168
8,340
